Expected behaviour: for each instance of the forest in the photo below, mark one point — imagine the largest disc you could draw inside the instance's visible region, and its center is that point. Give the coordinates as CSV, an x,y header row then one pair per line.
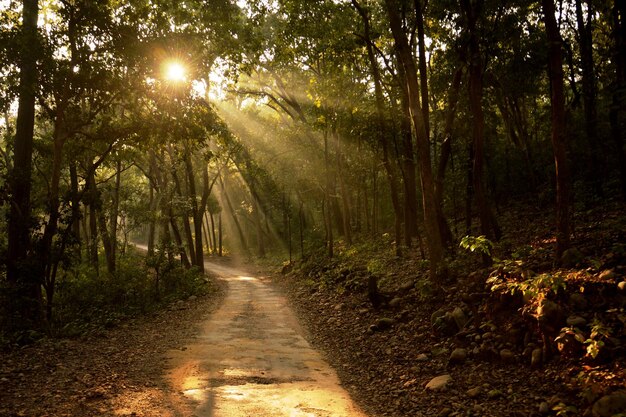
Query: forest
x,y
447,173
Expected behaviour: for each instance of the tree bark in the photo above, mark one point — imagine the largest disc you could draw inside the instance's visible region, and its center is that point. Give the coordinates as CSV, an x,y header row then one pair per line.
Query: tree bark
x,y
488,224
618,104
431,224
557,100
26,283
382,130
585,40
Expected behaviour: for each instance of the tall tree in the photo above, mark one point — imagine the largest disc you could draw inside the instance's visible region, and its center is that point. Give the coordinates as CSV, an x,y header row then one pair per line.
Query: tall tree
x,y
557,100
27,282
431,224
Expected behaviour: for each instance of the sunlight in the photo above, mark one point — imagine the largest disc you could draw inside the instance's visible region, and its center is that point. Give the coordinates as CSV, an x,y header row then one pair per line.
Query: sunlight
x,y
175,71
242,278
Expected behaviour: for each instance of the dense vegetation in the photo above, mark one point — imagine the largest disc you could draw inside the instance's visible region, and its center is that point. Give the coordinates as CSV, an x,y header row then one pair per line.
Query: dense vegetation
x,y
285,126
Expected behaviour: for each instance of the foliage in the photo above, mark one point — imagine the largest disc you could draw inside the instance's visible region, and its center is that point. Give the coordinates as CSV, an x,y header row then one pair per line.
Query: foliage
x,y
478,244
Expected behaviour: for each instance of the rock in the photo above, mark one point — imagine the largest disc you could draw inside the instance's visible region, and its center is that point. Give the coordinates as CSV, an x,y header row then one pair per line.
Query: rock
x,y
438,383
407,286
459,318
338,307
610,405
578,301
473,392
571,257
494,393
536,357
443,324
458,355
622,286
550,313
384,323
576,321
437,315
395,302
607,275
544,408
507,356
422,357
192,298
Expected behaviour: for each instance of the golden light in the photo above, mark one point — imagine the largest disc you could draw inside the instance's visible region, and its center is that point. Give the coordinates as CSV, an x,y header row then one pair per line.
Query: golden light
x,y
175,71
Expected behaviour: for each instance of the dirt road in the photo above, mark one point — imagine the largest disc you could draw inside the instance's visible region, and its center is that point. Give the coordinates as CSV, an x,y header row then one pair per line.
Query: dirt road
x,y
250,359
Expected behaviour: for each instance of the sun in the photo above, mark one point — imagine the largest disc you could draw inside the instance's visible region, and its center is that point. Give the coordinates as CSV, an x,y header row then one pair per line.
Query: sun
x,y
175,71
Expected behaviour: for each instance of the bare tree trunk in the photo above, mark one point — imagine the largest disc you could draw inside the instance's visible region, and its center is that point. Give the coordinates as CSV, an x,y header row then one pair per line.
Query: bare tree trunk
x,y
618,104
431,224
585,37
557,99
391,175
233,215
488,224
445,153
27,285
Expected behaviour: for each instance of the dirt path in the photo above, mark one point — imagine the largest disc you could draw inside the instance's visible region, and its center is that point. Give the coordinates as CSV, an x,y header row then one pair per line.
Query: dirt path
x,y
250,359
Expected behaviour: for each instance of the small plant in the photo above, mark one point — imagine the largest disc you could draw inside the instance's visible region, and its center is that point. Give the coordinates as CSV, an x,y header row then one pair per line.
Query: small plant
x,y
478,244
531,287
595,343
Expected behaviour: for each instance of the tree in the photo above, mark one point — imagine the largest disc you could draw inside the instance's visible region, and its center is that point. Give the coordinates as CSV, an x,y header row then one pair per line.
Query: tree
x,y
20,272
557,100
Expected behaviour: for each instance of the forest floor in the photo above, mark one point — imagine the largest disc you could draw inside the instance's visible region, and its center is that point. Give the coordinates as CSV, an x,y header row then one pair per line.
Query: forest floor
x,y
119,372
485,343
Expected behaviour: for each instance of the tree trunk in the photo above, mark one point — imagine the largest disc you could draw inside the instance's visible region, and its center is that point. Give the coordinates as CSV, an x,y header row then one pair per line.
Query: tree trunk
x,y
557,100
219,220
115,210
585,38
618,104
382,130
242,239
185,219
445,153
327,204
431,224
27,284
488,224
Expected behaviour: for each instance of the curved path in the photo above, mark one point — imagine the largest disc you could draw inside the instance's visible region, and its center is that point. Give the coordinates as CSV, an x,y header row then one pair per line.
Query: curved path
x,y
250,359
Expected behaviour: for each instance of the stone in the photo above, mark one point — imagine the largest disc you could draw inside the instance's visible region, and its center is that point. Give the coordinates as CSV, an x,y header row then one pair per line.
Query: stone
x,y
459,318
507,356
576,321
607,275
422,357
458,355
395,302
407,286
549,312
438,383
437,315
384,323
622,286
494,393
610,405
192,298
536,357
571,257
578,301
544,408
473,392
